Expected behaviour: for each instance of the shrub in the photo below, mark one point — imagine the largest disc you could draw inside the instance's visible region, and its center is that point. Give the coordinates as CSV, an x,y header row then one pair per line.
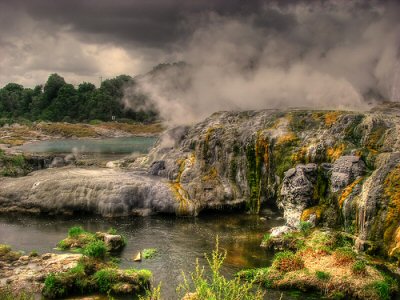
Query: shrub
x,y
149,253
95,249
305,227
54,287
359,267
105,279
217,286
154,294
266,237
287,261
322,275
75,231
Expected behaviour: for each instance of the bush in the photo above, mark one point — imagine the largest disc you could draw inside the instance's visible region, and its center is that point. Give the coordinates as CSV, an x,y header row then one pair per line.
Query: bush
x,y
305,228
266,237
75,231
287,261
95,249
105,279
54,287
322,275
359,267
217,286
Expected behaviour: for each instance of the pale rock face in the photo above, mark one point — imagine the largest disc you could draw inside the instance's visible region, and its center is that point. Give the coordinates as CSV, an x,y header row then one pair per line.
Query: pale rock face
x,y
345,170
297,192
295,159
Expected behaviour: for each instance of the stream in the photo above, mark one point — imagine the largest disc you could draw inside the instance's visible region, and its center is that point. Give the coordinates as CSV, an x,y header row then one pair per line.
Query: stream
x,y
179,241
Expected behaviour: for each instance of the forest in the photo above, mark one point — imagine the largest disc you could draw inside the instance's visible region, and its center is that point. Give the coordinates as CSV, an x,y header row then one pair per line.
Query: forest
x,y
58,100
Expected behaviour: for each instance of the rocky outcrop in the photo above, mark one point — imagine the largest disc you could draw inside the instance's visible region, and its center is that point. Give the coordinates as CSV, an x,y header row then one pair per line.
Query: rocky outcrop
x,y
297,192
323,166
101,191
345,170
29,272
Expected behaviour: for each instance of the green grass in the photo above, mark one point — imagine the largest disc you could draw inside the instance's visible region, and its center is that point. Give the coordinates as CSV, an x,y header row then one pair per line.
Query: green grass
x,y
287,261
305,228
95,249
359,267
322,275
382,288
7,294
149,253
75,231
266,237
217,286
105,279
54,287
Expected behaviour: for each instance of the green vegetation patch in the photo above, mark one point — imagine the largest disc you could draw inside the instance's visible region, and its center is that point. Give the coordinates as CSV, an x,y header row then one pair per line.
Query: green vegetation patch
x,y
149,253
201,287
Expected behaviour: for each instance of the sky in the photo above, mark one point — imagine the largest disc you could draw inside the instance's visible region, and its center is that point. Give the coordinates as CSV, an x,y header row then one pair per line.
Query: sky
x,y
242,54
86,39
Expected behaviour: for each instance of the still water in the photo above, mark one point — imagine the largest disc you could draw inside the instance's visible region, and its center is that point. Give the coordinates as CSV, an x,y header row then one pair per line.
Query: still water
x,y
179,241
123,145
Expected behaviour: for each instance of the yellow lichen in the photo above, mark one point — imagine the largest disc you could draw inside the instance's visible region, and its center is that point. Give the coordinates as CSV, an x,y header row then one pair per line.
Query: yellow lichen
x,y
335,152
301,155
180,193
348,190
315,210
331,118
286,138
212,174
392,191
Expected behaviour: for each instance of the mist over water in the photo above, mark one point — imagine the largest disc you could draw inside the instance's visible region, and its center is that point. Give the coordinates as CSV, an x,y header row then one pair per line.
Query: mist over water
x,y
328,55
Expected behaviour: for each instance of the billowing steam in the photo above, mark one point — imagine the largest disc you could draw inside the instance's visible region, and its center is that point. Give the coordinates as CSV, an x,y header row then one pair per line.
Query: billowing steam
x,y
331,54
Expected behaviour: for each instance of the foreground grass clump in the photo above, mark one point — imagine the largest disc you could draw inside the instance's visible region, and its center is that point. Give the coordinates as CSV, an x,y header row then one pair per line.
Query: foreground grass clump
x,y
201,287
325,263
6,254
95,275
6,294
288,261
149,253
95,245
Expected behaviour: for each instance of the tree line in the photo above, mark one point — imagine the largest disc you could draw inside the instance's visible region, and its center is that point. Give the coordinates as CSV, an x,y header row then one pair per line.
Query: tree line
x,y
58,100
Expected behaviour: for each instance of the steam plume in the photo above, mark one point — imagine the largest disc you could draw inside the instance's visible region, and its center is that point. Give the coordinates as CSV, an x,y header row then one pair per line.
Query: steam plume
x,y
328,54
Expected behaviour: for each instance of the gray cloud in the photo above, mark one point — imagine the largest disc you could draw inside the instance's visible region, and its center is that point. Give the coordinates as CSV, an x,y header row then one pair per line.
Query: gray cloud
x,y
330,54
242,54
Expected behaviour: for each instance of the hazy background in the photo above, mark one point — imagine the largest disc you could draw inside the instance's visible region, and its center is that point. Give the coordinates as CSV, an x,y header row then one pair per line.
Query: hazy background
x,y
237,54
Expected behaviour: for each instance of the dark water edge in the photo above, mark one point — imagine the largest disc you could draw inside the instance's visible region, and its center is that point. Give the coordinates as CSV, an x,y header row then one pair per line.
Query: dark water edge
x,y
179,241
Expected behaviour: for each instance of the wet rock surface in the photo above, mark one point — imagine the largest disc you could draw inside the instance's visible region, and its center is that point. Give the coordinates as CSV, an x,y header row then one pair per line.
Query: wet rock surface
x,y
29,272
313,165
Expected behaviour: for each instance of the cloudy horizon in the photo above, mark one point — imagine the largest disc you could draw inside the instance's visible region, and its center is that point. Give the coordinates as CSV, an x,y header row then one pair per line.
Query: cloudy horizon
x,y
243,54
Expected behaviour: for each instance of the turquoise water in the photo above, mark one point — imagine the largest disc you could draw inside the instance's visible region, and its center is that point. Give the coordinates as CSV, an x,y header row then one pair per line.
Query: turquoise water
x,y
123,145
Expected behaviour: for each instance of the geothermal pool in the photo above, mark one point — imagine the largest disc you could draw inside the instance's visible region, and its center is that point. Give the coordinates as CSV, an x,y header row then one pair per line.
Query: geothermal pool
x,y
98,147
179,241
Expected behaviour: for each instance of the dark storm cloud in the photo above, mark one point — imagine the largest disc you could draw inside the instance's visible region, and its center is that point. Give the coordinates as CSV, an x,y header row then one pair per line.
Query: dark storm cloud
x,y
266,52
151,23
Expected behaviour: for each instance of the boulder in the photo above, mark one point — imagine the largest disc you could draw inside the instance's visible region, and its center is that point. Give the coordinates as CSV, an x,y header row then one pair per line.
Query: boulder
x,y
297,192
345,170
